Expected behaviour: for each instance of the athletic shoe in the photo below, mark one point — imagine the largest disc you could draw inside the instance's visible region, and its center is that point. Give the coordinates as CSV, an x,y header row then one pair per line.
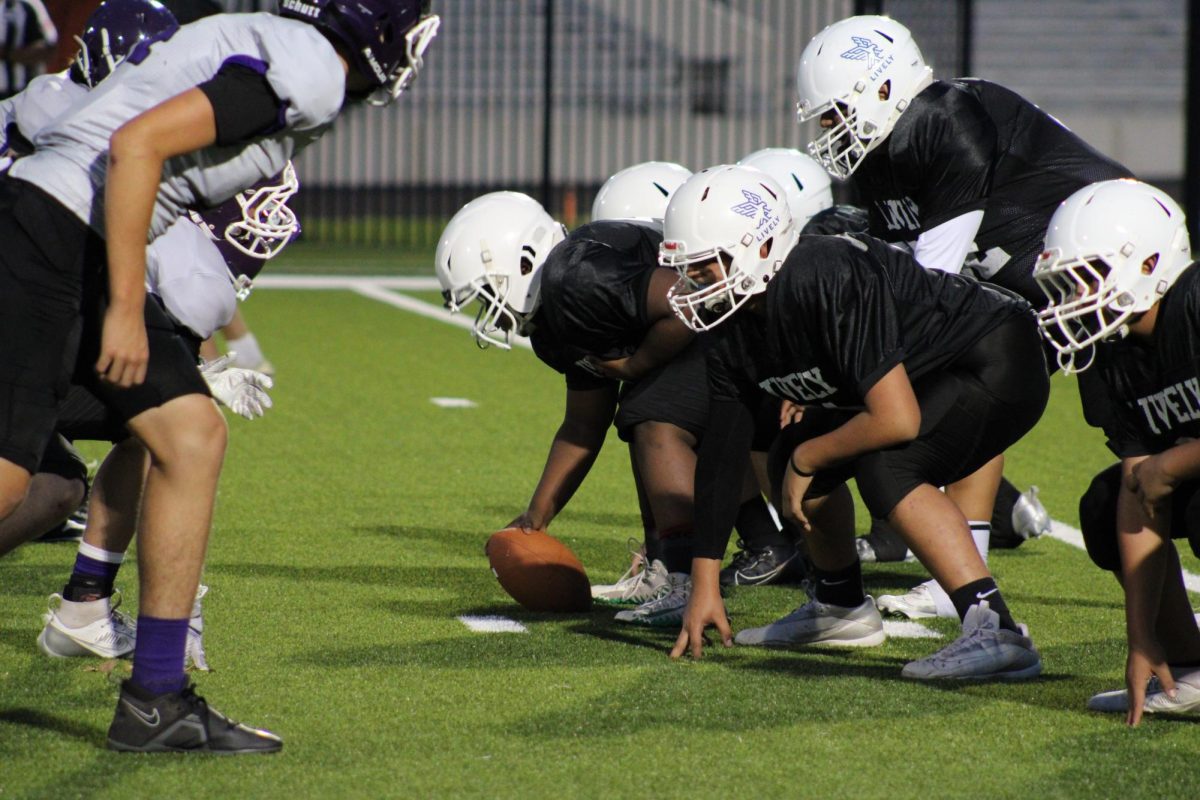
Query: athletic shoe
x,y
917,604
882,543
665,611
816,623
193,654
1187,698
984,651
181,722
636,586
866,552
757,567
110,635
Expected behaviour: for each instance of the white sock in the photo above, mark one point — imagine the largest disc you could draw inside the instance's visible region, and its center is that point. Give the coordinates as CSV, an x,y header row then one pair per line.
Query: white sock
x,y
249,354
981,532
76,615
100,554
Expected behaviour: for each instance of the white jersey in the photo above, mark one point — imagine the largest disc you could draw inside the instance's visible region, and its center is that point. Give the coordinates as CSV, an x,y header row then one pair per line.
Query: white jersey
x,y
183,266
300,65
186,270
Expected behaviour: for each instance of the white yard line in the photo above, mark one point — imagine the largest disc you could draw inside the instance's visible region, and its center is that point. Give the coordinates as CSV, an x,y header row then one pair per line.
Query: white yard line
x,y
383,290
493,624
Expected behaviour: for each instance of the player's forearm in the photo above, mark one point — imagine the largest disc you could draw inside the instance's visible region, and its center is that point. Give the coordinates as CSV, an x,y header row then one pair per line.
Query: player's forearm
x,y
566,466
133,176
1182,462
666,339
1142,547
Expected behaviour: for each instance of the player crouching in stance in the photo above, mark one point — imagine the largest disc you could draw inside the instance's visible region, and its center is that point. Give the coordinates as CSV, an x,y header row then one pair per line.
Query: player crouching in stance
x,y
909,380
1125,302
594,305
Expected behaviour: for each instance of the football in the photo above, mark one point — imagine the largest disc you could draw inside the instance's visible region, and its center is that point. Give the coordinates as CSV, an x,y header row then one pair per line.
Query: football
x,y
540,572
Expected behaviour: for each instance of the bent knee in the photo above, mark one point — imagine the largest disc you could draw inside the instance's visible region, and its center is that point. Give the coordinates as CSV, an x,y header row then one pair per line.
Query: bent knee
x,y
188,429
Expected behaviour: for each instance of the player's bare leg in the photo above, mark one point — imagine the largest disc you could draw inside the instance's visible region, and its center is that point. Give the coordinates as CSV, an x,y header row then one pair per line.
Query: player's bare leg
x,y
48,501
186,439
14,483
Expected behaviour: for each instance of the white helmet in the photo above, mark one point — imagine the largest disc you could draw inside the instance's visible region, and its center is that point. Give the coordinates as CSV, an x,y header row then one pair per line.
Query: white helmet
x,y
842,70
640,191
1113,249
804,181
725,213
492,251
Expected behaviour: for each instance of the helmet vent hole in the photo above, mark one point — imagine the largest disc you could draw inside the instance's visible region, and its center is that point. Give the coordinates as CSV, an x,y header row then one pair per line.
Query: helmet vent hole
x,y
526,265
1149,264
704,196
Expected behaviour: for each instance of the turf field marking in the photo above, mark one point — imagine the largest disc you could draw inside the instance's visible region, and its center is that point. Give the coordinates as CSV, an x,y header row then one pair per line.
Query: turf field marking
x,y
378,289
900,629
493,624
453,402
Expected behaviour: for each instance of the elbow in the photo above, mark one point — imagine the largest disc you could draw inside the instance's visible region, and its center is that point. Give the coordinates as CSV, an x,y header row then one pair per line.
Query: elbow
x,y
905,427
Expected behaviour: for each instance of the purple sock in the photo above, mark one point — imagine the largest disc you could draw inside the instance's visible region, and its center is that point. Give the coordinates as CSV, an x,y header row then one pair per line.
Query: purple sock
x,y
158,654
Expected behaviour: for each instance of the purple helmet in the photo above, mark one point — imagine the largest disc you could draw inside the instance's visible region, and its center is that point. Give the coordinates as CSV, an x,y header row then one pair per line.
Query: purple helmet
x,y
252,227
385,39
113,31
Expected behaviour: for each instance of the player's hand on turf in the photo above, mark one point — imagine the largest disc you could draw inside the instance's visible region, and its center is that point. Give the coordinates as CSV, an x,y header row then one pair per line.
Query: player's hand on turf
x,y
704,608
1151,483
124,349
789,413
1143,662
243,391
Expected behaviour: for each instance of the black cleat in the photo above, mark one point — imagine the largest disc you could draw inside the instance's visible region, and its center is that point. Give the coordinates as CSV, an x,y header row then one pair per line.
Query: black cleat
x,y
882,543
181,722
759,566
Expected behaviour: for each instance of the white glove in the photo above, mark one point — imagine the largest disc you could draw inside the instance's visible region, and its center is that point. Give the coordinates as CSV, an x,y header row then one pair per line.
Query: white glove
x,y
243,391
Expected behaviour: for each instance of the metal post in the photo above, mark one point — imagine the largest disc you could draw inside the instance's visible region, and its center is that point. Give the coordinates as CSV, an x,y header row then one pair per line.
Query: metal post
x,y
548,106
1191,129
966,35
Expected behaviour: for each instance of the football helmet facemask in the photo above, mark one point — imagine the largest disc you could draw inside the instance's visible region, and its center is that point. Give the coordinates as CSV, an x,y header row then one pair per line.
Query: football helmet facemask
x,y
386,40
724,215
842,71
639,192
1112,250
253,226
492,251
805,183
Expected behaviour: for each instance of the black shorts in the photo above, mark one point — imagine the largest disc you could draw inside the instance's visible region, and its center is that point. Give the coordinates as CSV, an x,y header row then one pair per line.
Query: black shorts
x,y
97,410
1098,517
62,459
676,393
45,254
971,412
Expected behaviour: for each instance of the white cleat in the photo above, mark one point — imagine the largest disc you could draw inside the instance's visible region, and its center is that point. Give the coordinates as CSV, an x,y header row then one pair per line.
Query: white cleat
x,y
665,611
193,654
109,634
1187,698
983,652
639,585
816,623
918,603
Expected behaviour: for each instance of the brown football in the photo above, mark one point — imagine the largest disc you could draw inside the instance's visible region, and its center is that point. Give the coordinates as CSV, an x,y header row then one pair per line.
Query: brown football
x,y
540,572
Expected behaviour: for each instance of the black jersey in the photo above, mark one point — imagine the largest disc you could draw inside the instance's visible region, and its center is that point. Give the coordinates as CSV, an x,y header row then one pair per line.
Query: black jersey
x,y
837,219
593,297
968,145
1153,386
840,314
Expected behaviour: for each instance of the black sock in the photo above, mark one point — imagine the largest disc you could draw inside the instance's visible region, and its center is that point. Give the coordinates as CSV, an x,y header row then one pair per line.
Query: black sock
x,y
841,587
983,589
82,588
654,549
676,544
755,527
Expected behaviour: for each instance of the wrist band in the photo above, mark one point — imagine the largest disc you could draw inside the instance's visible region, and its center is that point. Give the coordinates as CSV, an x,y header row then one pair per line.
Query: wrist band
x,y
795,469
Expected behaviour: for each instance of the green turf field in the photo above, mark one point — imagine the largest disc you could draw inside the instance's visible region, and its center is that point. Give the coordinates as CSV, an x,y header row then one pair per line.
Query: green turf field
x,y
349,538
